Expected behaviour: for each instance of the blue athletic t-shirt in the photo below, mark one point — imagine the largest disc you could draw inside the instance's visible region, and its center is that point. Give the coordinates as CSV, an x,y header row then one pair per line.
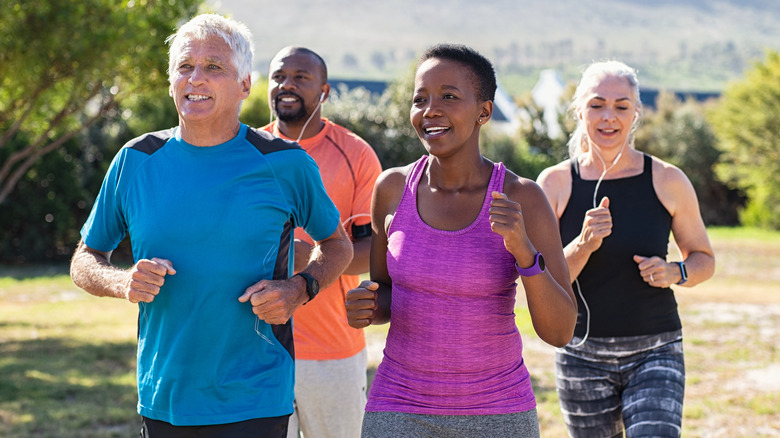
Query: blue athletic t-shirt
x,y
224,216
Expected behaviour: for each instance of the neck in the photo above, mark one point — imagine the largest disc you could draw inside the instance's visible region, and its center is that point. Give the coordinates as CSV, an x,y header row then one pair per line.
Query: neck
x,y
206,134
302,130
448,174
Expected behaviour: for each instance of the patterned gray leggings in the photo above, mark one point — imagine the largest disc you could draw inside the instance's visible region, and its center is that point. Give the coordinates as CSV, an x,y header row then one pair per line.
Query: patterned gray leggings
x,y
609,384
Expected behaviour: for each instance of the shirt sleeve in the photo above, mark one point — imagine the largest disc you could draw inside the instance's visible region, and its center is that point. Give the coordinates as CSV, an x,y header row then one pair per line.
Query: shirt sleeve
x,y
105,227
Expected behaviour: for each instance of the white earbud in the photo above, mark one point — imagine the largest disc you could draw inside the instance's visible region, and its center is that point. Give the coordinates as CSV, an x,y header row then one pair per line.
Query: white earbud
x,y
322,97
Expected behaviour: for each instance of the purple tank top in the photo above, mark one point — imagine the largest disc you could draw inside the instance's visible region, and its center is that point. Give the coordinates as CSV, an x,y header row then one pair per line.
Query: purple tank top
x,y
453,347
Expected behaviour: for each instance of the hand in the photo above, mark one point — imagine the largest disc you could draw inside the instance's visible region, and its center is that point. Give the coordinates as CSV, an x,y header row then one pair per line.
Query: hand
x,y
302,254
362,304
654,271
596,226
506,219
275,301
145,279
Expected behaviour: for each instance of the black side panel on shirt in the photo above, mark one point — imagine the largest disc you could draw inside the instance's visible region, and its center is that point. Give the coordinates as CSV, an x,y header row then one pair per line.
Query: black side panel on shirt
x,y
283,332
620,301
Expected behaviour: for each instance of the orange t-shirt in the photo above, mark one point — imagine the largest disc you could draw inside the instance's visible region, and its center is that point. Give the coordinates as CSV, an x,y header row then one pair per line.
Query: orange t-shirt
x,y
349,169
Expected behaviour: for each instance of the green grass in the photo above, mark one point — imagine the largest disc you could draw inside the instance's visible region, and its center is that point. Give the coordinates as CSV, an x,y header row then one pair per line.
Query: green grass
x,y
67,359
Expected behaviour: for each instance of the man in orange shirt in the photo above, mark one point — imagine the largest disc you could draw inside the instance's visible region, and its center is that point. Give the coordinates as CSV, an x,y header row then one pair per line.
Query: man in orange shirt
x,y
330,356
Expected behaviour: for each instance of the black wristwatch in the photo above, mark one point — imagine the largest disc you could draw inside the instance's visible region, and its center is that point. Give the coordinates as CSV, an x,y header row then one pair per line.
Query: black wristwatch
x,y
312,285
683,272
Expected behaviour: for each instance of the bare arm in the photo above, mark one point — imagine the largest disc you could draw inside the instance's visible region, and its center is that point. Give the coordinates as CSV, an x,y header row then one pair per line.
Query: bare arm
x,y
370,302
527,224
360,250
92,271
275,301
676,192
597,224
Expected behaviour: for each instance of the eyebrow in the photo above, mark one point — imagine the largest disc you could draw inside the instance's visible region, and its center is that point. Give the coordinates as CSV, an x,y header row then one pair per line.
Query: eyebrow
x,y
617,100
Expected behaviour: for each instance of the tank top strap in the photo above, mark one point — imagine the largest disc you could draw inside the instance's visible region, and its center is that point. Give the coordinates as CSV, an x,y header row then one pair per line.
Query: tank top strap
x,y
497,179
413,178
575,169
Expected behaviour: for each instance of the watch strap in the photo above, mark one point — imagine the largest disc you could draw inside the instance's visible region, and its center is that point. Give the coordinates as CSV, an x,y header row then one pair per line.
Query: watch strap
x,y
683,272
536,268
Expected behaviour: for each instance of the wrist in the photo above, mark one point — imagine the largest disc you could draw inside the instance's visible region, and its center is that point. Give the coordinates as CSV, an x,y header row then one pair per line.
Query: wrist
x,y
683,272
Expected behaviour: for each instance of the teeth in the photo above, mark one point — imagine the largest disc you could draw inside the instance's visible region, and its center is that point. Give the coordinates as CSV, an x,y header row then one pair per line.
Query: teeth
x,y
288,99
435,130
197,97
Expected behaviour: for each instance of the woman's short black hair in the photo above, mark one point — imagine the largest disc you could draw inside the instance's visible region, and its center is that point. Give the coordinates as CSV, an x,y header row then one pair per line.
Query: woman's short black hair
x,y
482,69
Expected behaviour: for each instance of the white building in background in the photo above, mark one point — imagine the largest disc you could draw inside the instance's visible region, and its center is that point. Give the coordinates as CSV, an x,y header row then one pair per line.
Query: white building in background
x,y
547,95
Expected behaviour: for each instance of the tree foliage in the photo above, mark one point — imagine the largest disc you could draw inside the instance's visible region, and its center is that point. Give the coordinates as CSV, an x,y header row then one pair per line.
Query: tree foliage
x,y
255,111
678,132
66,64
747,123
77,80
383,121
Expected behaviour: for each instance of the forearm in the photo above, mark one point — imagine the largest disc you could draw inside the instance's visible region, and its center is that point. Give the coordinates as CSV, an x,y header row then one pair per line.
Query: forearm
x,y
577,256
383,301
553,308
93,272
329,259
360,258
700,267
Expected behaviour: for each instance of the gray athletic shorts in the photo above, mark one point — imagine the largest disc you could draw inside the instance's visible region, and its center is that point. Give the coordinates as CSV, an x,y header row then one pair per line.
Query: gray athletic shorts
x,y
399,424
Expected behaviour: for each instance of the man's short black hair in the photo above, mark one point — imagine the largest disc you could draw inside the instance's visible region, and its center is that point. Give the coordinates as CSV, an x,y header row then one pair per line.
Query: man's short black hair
x,y
305,51
481,68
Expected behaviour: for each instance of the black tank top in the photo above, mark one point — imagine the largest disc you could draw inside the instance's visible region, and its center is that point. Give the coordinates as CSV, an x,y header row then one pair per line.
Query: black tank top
x,y
620,302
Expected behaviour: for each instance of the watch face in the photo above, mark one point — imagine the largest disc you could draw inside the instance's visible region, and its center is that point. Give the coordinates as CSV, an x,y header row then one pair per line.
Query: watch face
x,y
541,262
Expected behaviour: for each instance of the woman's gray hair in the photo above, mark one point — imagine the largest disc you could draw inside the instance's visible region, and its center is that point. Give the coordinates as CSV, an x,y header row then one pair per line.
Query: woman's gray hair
x,y
591,76
235,34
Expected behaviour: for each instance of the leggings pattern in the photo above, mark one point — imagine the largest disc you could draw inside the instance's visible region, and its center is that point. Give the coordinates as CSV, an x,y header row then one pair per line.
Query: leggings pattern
x,y
634,383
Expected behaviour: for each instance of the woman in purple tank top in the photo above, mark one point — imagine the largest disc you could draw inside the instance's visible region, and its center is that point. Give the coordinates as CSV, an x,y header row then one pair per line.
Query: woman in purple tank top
x,y
451,234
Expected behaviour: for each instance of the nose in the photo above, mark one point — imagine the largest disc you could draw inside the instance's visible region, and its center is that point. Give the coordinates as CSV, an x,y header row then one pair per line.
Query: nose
x,y
431,109
608,114
197,75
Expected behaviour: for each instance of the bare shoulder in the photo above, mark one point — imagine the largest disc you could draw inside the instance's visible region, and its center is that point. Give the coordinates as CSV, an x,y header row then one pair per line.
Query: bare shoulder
x,y
522,190
390,187
555,181
668,176
672,186
556,176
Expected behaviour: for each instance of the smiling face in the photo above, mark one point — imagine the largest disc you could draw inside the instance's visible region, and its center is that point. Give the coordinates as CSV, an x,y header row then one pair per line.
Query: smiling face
x,y
205,86
295,86
445,109
609,112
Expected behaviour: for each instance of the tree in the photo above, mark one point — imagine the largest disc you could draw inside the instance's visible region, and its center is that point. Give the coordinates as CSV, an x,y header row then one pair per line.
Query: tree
x,y
255,111
383,121
64,65
747,123
679,133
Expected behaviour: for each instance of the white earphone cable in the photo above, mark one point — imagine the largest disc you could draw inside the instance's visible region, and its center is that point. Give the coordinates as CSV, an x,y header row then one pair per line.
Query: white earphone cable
x,y
595,197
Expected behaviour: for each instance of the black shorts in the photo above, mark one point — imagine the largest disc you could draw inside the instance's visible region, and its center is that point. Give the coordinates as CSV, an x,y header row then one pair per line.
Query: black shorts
x,y
274,427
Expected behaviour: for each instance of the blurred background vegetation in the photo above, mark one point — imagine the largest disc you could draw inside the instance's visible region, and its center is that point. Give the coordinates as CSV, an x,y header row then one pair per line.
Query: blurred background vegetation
x,y
71,95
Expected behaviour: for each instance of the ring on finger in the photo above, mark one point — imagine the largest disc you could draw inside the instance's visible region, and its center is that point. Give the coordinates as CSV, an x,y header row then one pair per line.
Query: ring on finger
x,y
651,278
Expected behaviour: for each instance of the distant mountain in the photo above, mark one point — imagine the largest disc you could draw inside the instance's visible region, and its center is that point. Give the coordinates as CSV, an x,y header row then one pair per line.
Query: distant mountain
x,y
675,44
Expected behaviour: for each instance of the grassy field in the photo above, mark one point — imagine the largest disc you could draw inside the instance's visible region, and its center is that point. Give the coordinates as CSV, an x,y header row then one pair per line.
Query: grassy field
x,y
67,359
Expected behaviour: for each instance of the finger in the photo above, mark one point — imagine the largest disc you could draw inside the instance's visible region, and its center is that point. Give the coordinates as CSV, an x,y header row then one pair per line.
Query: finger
x,y
167,264
499,195
357,306
251,290
151,267
370,285
604,202
359,323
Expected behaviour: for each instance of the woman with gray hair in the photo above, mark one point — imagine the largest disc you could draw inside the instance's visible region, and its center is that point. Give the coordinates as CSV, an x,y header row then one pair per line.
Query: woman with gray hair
x,y
616,207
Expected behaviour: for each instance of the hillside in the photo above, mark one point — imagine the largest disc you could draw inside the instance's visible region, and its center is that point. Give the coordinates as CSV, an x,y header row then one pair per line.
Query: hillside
x,y
676,44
